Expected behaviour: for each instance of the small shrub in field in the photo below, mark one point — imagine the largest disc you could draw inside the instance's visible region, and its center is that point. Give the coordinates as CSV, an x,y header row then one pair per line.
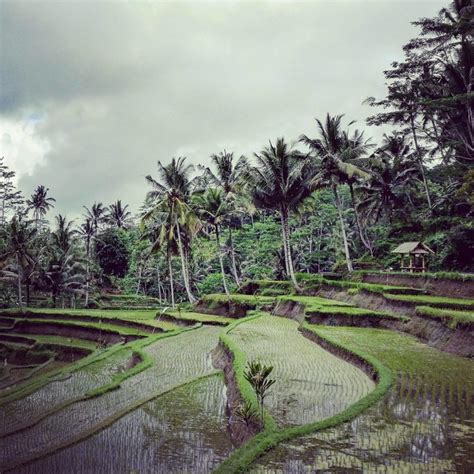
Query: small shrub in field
x,y
246,413
258,375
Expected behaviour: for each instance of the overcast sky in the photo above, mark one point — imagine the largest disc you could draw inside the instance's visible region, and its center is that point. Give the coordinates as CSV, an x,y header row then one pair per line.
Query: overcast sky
x,y
93,94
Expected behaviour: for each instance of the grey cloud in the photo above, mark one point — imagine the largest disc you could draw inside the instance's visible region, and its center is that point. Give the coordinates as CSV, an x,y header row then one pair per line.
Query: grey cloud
x,y
122,85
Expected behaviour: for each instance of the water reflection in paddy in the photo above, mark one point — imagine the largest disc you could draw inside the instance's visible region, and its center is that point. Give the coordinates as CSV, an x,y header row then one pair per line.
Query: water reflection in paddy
x,y
425,424
182,431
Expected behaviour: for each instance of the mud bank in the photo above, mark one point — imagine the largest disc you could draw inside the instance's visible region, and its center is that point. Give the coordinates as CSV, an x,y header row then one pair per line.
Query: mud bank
x,y
53,328
228,309
434,332
238,429
343,354
438,287
83,318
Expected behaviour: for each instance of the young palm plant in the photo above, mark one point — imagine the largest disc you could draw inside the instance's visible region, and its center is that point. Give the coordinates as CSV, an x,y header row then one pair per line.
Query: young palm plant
x,y
258,375
280,181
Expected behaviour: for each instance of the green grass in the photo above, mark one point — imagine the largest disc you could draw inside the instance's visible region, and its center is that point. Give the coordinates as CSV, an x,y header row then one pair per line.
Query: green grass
x,y
120,330
61,341
438,301
315,305
429,275
311,302
199,317
310,280
250,300
450,317
242,458
141,316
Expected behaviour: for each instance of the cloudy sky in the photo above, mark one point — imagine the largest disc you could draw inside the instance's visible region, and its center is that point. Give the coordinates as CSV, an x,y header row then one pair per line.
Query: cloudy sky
x,y
92,94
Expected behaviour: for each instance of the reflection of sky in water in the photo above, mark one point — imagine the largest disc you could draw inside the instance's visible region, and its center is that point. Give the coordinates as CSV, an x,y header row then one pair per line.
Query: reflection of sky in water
x,y
182,431
424,424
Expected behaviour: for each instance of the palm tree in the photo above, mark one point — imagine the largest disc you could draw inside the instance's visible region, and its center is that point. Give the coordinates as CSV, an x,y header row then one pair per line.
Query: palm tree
x,y
40,203
213,208
96,215
87,232
280,181
394,171
337,152
228,176
118,216
19,238
169,197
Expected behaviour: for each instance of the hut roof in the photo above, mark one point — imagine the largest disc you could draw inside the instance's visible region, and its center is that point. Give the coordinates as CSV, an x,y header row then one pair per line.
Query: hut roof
x,y
412,247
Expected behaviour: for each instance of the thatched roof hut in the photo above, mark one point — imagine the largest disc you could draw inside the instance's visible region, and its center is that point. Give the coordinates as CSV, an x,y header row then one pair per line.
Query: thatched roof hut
x,y
416,253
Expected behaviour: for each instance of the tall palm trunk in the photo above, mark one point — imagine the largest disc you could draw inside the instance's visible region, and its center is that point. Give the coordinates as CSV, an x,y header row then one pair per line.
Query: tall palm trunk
x,y
170,275
20,295
221,260
286,246
232,259
158,278
420,164
343,229
365,241
184,270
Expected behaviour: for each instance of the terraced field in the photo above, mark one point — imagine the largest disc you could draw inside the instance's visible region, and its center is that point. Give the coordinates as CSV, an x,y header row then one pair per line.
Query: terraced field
x,y
164,440
136,390
424,424
312,384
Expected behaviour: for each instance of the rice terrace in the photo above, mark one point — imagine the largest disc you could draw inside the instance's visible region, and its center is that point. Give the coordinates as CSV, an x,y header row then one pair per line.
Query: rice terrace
x,y
284,305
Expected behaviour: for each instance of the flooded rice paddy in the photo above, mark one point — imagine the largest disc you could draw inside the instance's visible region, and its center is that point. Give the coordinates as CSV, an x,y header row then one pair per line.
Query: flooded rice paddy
x,y
424,424
181,431
311,383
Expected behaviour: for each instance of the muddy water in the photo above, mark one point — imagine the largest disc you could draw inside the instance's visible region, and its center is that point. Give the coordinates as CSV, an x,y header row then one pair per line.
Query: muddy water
x,y
424,424
182,431
176,360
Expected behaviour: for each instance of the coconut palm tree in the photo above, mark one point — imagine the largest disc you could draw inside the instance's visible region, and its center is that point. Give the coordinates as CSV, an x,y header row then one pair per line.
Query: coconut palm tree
x,y
337,152
228,175
118,215
169,198
213,207
280,181
40,203
96,215
87,232
19,239
394,174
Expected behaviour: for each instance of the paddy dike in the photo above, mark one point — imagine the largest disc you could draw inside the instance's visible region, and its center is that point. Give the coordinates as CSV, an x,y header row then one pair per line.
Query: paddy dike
x,y
437,333
434,286
83,318
423,424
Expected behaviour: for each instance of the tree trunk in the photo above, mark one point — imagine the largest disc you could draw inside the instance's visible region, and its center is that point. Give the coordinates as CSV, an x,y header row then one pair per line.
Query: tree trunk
x,y
20,296
343,230
232,259
221,260
363,239
27,287
159,280
420,163
184,270
170,274
286,246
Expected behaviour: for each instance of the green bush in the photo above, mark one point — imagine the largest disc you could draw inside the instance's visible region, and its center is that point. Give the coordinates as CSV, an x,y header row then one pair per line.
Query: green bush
x,y
212,283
